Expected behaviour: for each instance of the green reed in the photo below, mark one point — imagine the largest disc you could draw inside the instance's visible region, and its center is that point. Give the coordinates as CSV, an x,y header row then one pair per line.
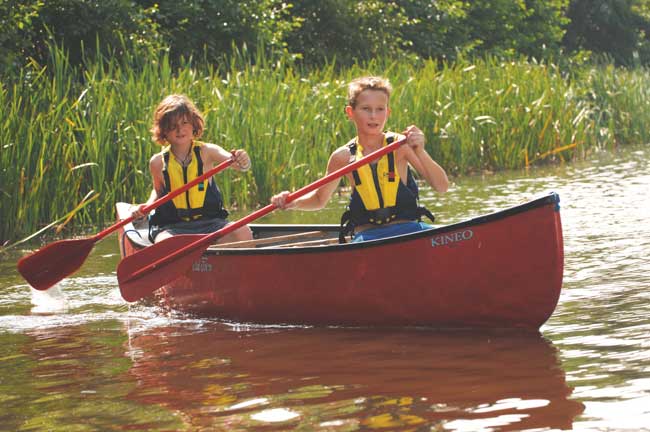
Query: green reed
x,y
71,135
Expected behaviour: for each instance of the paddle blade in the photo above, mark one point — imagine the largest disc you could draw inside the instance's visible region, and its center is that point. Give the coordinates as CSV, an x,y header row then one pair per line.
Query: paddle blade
x,y
141,274
47,266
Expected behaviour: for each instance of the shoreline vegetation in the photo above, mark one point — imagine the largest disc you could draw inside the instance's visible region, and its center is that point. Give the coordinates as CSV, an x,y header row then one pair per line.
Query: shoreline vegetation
x,y
74,141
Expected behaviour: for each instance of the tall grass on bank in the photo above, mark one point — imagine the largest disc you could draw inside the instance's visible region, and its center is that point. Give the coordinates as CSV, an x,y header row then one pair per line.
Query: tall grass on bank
x,y
68,134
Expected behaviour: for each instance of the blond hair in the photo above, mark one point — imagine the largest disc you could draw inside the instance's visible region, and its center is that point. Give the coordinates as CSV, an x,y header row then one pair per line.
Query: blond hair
x,y
169,111
367,83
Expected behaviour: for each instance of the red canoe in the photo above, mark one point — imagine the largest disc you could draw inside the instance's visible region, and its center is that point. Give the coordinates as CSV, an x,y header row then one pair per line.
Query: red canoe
x,y
500,270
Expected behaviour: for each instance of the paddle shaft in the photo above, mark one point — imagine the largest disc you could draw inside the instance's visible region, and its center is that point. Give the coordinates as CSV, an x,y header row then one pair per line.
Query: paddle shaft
x,y
206,240
171,195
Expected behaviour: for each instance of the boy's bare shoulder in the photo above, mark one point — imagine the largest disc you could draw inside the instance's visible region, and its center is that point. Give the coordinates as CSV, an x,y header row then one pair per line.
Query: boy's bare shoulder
x,y
209,145
156,159
213,153
344,150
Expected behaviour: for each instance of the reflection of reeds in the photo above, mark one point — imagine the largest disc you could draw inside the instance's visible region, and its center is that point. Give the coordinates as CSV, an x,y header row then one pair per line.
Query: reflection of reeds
x,y
65,133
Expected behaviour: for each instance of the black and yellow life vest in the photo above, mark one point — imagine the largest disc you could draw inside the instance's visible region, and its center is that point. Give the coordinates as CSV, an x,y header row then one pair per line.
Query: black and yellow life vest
x,y
201,201
379,196
376,183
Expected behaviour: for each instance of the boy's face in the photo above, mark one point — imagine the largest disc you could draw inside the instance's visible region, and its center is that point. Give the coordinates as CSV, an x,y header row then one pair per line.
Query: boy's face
x,y
370,113
181,131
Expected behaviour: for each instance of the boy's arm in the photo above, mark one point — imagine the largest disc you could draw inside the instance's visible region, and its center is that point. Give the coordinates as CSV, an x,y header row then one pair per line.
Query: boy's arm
x,y
214,154
417,156
155,168
431,171
317,199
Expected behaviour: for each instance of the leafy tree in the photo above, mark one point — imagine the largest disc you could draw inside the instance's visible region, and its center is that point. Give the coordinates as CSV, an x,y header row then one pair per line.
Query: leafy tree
x,y
529,27
16,21
616,28
436,28
350,31
28,25
78,24
209,27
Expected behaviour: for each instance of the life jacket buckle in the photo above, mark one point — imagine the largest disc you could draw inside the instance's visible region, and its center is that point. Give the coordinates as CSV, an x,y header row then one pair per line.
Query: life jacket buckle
x,y
382,215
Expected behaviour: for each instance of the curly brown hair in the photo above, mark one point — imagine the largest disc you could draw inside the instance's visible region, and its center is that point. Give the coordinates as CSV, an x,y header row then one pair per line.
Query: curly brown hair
x,y
367,83
168,112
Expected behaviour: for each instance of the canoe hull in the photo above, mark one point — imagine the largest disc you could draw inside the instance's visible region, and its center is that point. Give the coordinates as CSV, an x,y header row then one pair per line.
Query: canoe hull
x,y
502,270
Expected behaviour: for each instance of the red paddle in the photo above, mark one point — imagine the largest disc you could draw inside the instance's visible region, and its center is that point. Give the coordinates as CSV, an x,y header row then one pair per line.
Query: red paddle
x,y
145,271
49,265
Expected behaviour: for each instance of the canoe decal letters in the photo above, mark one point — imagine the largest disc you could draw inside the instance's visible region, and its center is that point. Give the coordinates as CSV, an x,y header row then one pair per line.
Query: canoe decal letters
x,y
202,266
453,237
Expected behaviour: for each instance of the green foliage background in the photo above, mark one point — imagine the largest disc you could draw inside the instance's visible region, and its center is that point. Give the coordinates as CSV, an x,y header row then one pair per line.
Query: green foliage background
x,y
318,31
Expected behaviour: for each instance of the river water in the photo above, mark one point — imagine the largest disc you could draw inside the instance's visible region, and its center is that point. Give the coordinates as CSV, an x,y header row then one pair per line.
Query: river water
x,y
78,358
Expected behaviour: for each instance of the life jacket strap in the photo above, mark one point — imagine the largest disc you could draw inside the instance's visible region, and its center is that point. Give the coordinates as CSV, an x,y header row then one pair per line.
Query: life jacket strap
x,y
165,170
423,211
352,146
347,226
199,161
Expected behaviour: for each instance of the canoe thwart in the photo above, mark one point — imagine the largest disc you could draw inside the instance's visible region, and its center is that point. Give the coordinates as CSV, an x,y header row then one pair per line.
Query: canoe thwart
x,y
320,242
271,240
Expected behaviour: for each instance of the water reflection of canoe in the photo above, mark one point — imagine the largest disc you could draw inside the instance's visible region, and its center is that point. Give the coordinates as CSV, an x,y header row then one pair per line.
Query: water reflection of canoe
x,y
503,269
466,380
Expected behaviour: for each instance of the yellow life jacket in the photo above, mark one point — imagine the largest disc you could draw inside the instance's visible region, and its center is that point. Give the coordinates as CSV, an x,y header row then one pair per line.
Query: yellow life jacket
x,y
190,203
377,188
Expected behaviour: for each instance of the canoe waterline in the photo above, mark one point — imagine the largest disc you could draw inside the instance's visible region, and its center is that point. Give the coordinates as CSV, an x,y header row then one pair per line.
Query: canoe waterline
x,y
500,270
